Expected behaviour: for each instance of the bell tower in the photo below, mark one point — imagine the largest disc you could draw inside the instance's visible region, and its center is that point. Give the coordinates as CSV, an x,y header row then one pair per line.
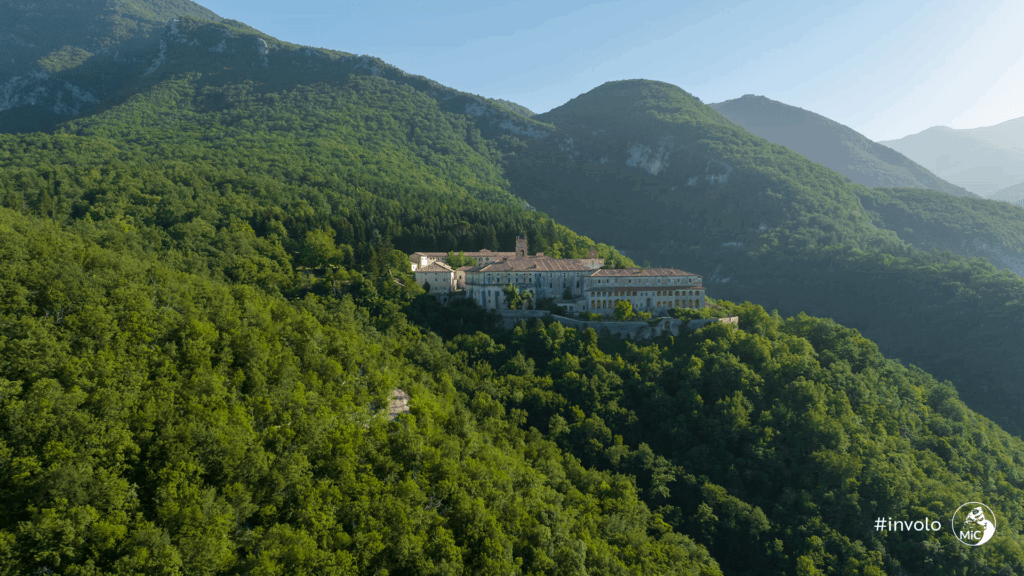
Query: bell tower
x,y
521,245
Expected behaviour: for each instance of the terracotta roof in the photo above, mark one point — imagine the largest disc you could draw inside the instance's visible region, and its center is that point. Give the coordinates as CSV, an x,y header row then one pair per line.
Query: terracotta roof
x,y
530,264
489,254
477,254
630,272
642,288
436,267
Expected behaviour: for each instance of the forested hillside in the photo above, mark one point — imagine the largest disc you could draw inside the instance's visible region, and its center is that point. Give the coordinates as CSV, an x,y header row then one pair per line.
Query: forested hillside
x,y
972,227
206,307
192,152
65,58
657,173
156,421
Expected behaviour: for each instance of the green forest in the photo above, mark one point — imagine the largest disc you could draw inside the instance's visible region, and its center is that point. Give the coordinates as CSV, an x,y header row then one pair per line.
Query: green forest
x,y
920,272
207,310
162,421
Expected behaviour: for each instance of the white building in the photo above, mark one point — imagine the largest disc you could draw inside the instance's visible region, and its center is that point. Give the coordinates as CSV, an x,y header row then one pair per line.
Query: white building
x,y
579,285
439,275
541,276
653,290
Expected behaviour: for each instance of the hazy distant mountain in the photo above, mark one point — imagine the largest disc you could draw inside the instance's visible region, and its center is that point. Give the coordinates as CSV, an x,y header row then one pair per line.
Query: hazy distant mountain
x,y
1012,194
832,144
982,160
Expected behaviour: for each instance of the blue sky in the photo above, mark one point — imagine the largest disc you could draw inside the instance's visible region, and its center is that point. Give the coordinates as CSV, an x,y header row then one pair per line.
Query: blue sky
x,y
885,68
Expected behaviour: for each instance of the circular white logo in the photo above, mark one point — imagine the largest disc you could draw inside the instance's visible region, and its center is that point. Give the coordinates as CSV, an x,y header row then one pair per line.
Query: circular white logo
x,y
974,523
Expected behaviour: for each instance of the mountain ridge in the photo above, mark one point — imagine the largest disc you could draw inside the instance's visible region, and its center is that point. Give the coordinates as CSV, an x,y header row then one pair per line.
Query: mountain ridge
x,y
733,193
1012,194
983,160
701,193
207,302
831,144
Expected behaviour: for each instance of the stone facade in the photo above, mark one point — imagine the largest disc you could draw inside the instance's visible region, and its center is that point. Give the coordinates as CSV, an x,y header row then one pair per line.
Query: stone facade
x,y
653,290
695,324
578,285
539,275
440,276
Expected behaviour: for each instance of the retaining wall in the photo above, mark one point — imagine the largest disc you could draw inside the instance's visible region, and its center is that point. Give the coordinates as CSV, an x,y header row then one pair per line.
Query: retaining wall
x,y
636,330
695,324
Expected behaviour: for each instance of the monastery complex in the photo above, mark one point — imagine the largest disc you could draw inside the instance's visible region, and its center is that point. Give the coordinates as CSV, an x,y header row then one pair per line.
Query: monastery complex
x,y
578,285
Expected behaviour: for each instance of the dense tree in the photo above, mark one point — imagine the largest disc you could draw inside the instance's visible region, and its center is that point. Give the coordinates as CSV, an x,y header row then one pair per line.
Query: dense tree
x,y
623,310
459,260
513,297
157,421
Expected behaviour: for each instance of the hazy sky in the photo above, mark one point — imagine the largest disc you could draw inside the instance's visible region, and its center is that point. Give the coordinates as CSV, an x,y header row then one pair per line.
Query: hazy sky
x,y
886,68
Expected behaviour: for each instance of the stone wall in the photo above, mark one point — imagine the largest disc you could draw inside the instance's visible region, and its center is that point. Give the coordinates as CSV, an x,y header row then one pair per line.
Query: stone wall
x,y
695,324
635,330
512,317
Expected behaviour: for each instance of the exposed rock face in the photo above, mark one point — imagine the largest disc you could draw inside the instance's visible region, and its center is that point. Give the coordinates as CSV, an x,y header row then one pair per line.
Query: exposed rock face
x,y
262,49
42,89
399,403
